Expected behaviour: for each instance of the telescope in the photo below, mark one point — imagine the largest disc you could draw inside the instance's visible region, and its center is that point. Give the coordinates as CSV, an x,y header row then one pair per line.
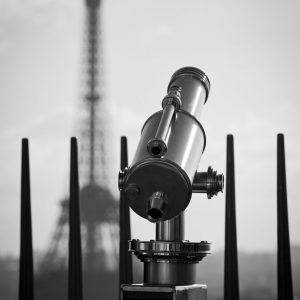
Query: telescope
x,y
159,184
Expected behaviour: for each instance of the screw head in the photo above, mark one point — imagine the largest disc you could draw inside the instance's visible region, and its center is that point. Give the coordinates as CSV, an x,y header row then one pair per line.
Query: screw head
x,y
131,192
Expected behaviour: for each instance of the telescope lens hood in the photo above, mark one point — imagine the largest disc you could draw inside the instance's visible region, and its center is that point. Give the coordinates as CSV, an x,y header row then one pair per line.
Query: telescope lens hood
x,y
191,72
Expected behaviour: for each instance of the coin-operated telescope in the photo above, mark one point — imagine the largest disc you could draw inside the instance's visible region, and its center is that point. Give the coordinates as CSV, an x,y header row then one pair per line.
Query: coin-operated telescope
x,y
159,184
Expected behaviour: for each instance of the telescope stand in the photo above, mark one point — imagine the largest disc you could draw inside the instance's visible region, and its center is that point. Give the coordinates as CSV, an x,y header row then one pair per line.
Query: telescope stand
x,y
169,265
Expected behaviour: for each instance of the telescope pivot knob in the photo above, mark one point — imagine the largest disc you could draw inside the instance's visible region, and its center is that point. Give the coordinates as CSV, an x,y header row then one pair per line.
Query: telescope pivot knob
x,y
208,182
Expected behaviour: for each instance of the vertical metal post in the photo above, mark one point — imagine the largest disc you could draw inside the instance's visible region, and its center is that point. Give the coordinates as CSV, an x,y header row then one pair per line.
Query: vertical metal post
x,y
284,275
231,280
125,265
171,230
75,291
26,284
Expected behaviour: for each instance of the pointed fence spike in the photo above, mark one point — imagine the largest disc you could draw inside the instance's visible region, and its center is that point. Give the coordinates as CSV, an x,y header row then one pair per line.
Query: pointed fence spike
x,y
125,265
231,279
26,283
284,271
75,291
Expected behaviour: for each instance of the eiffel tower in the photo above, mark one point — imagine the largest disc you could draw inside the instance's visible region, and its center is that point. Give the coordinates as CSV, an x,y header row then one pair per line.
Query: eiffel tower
x,y
98,208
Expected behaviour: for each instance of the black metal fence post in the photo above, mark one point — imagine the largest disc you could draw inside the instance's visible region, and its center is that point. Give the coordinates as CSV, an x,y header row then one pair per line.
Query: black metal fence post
x,y
231,278
75,291
26,283
125,265
284,275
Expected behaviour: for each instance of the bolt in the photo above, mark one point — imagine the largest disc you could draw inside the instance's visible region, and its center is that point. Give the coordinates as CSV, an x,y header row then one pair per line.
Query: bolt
x,y
131,192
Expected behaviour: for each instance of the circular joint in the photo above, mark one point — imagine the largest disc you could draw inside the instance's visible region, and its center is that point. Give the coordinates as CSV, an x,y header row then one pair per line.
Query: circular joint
x,y
157,147
121,179
215,183
173,97
156,205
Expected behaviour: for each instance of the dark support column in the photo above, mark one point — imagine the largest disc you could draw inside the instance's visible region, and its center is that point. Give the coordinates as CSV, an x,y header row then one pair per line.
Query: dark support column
x,y
125,265
75,291
231,280
284,276
26,254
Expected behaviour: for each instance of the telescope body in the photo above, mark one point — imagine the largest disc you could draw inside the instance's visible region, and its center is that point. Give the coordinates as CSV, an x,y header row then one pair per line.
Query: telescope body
x,y
159,182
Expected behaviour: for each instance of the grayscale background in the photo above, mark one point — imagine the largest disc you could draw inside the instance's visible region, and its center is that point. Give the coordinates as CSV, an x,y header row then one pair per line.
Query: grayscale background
x,y
250,52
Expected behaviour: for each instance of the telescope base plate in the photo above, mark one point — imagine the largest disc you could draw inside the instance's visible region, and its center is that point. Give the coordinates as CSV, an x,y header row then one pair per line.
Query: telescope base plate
x,y
171,292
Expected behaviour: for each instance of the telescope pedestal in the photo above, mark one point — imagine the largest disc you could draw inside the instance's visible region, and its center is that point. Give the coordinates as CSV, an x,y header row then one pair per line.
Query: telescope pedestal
x,y
179,292
169,265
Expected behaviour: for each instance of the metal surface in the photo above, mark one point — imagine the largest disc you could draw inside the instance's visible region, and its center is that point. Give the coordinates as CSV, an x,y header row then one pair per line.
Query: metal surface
x,y
195,89
208,182
284,270
231,277
185,142
163,178
156,206
26,284
154,251
185,147
157,147
125,261
75,291
140,291
169,150
166,272
171,230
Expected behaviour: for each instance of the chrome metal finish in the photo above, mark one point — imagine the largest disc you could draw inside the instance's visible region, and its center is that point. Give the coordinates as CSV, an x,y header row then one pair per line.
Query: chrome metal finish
x,y
195,89
157,202
169,262
173,97
208,182
180,162
163,176
159,184
121,178
170,147
165,273
185,142
171,230
184,251
157,147
165,122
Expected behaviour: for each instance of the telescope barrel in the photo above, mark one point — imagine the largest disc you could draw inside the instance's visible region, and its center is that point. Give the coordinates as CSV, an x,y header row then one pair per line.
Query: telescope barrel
x,y
158,184
195,91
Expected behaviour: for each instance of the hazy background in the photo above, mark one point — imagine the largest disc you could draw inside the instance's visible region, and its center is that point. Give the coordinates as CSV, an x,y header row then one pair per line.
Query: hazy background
x,y
250,51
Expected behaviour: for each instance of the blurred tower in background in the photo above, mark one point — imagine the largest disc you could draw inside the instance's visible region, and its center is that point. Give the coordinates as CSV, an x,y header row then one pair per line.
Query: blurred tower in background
x,y
99,211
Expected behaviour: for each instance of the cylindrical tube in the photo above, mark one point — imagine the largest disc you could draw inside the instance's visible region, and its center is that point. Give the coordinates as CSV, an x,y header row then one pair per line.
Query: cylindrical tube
x,y
171,230
167,273
157,147
196,89
172,173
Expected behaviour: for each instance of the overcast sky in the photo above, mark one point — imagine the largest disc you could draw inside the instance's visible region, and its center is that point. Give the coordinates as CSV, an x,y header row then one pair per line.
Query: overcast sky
x,y
250,51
